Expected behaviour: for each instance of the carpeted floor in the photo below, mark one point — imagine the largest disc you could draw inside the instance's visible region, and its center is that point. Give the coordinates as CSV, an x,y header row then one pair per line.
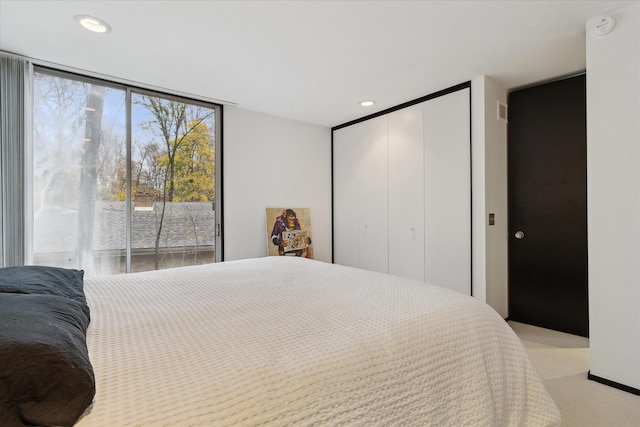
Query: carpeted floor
x,y
562,361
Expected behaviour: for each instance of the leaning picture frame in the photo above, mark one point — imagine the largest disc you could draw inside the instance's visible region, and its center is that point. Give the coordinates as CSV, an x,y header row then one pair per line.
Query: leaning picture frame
x,y
289,232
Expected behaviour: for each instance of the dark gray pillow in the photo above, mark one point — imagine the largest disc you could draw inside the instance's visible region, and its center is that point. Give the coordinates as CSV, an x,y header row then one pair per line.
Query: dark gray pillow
x,y
35,279
46,377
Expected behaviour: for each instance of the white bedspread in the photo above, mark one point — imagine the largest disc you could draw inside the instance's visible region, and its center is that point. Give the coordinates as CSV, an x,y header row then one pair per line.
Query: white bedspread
x,y
290,341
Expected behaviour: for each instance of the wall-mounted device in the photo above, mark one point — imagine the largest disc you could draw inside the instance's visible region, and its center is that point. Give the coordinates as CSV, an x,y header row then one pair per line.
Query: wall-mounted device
x,y
503,111
600,27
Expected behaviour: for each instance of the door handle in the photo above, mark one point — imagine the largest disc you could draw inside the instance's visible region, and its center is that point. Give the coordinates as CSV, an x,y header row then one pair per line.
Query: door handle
x,y
519,235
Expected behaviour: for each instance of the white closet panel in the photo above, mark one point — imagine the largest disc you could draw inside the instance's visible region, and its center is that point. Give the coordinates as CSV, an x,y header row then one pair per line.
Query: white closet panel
x,y
402,192
448,191
406,192
360,195
346,151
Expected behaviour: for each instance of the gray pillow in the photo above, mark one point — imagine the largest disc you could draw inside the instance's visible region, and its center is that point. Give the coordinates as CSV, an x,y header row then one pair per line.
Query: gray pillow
x,y
46,377
36,279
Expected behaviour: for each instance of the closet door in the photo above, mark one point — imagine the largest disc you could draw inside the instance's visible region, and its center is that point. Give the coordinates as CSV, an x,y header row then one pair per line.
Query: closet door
x,y
346,153
406,192
360,195
447,156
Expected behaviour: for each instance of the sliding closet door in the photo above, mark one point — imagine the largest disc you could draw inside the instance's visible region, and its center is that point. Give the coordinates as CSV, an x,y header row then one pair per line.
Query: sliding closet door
x,y
360,195
406,192
448,191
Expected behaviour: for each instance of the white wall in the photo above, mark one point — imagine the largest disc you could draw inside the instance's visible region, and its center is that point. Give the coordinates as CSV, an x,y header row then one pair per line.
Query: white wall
x,y
489,194
613,191
269,161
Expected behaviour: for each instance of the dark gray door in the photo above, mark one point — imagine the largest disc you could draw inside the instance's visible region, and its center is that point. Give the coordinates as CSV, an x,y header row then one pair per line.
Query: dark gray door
x,y
547,206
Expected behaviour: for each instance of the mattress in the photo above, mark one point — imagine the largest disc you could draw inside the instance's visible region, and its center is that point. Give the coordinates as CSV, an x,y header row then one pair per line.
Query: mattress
x,y
282,341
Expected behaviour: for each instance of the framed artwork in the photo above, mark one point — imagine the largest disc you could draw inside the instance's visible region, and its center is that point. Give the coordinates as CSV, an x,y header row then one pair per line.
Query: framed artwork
x,y
289,232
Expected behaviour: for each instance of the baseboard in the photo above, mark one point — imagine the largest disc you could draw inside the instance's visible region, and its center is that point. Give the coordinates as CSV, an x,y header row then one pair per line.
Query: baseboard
x,y
613,384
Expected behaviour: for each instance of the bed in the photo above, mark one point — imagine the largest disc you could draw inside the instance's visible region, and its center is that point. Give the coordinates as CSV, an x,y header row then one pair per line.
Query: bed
x,y
282,341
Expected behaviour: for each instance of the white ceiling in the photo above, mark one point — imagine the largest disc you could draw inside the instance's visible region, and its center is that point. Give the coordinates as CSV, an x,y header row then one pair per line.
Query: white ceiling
x,y
312,61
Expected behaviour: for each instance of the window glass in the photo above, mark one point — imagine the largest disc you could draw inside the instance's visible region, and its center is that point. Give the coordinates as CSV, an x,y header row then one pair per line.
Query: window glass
x,y
78,156
82,180
172,162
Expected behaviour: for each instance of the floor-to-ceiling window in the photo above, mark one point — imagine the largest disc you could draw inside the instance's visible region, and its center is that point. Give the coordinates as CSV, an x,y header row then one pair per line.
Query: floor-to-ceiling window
x,y
123,179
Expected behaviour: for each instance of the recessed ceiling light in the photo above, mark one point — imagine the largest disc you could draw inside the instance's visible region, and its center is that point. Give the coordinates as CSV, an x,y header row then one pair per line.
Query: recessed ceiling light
x,y
367,103
92,23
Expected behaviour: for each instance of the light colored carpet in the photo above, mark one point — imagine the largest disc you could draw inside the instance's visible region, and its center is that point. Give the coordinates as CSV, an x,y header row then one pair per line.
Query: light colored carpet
x,y
562,361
